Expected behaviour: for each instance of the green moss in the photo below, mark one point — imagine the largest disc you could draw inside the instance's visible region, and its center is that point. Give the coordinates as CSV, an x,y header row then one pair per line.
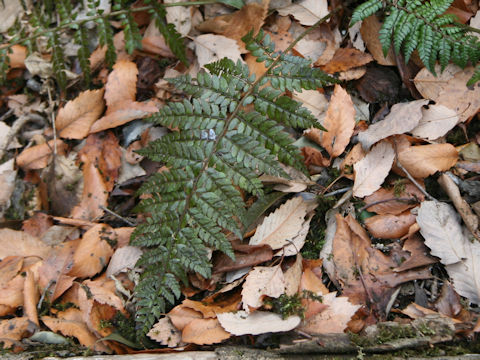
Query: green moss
x,y
316,234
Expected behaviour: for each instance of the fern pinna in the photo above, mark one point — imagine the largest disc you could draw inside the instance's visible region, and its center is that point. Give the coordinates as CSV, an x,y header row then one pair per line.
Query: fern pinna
x,y
423,25
231,129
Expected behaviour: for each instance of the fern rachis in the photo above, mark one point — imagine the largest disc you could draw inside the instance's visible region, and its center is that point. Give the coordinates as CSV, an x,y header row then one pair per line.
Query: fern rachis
x,y
221,146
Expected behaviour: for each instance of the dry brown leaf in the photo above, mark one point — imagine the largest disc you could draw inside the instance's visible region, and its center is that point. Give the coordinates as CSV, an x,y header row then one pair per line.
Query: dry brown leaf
x,y
73,328
355,155
93,251
52,276
339,121
210,47
12,293
103,291
38,156
19,243
312,281
449,304
365,274
182,315
9,268
165,333
110,160
373,169
13,330
17,57
425,160
333,319
369,30
260,322
283,225
154,42
390,226
209,307
307,12
449,89
204,332
346,59
402,118
245,255
74,120
313,157
387,199
30,297
419,254
123,259
234,26
260,282
8,174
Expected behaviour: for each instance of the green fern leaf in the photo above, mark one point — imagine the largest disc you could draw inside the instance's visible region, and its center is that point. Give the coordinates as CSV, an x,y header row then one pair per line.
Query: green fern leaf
x,y
364,10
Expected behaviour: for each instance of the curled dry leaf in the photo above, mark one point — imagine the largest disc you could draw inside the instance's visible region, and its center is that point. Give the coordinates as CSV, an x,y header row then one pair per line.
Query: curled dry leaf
x,y
425,160
285,224
38,156
262,281
373,169
333,319
182,315
165,333
204,332
93,251
449,89
307,12
436,121
120,91
440,226
30,297
74,120
19,243
402,118
346,59
260,322
389,226
234,26
419,254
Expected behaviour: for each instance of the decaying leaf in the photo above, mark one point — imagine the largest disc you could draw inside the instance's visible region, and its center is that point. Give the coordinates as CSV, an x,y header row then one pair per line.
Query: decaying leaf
x,y
440,226
346,59
38,156
283,225
165,333
262,281
370,29
259,322
204,331
436,121
13,330
333,319
371,171
307,12
77,116
19,243
210,47
402,118
389,226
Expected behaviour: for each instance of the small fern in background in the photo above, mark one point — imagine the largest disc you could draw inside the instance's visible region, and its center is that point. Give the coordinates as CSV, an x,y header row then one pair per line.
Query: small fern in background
x,y
82,22
423,25
231,129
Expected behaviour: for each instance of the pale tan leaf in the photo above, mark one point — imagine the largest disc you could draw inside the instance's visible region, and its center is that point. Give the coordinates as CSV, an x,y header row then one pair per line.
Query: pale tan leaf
x,y
20,243
182,315
440,226
436,121
121,84
449,89
293,276
373,169
339,121
165,333
307,12
210,47
296,243
74,120
283,225
204,331
30,297
425,160
123,259
13,330
314,101
180,16
333,319
402,118
388,226
260,322
260,282
7,178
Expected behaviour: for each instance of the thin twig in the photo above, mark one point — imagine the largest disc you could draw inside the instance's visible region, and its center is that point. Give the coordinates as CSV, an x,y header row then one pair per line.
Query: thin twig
x,y
339,191
117,216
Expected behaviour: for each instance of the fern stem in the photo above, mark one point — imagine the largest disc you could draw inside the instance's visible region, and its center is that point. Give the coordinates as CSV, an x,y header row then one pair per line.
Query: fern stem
x,y
68,25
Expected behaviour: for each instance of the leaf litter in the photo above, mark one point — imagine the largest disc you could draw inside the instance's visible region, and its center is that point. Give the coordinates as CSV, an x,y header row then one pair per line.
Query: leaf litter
x,y
70,269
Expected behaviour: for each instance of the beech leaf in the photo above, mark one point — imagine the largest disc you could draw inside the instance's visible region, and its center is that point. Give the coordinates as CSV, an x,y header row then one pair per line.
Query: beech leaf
x,y
260,322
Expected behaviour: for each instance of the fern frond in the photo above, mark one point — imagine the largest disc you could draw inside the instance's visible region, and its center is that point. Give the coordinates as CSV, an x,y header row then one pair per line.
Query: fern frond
x,y
423,25
475,77
219,149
